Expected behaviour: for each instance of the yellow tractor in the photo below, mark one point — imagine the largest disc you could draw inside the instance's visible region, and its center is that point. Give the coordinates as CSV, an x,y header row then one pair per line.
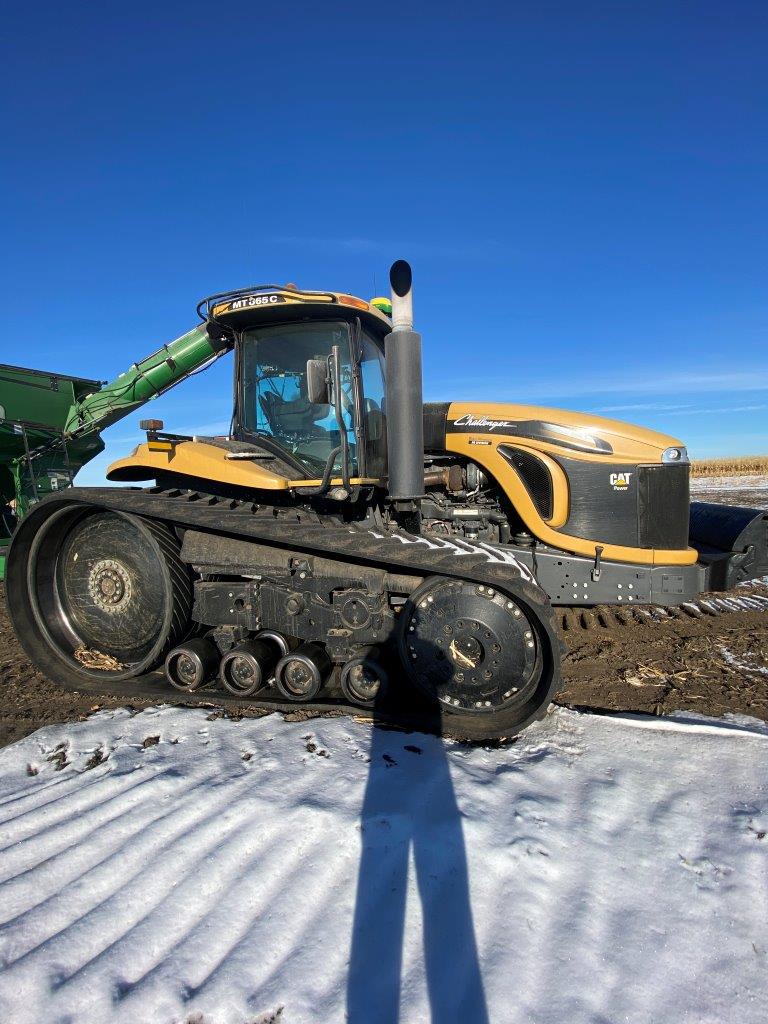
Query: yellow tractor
x,y
346,545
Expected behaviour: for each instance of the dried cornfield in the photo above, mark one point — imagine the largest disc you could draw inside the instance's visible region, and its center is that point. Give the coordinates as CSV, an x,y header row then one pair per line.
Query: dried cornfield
x,y
732,465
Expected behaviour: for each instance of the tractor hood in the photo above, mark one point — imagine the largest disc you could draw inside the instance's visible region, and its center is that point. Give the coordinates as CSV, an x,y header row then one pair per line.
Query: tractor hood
x,y
558,429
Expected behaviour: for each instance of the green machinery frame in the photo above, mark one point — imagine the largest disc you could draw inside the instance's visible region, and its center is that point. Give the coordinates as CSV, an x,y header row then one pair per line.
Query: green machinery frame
x,y
35,455
51,423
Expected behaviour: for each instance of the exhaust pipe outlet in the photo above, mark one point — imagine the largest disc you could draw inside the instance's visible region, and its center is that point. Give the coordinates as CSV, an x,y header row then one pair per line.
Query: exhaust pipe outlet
x,y
248,667
405,401
192,665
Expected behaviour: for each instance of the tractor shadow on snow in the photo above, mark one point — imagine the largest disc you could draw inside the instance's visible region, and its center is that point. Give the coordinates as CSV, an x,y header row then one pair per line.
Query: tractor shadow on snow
x,y
410,807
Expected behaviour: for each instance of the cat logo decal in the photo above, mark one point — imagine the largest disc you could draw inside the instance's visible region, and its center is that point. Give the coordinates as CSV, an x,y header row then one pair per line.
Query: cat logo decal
x,y
620,481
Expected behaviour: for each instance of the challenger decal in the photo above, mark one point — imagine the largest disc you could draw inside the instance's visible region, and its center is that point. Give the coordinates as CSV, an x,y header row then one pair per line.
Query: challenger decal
x,y
575,438
475,422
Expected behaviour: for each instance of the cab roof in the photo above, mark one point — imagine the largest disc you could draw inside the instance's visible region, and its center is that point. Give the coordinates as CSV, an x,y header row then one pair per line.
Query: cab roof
x,y
267,302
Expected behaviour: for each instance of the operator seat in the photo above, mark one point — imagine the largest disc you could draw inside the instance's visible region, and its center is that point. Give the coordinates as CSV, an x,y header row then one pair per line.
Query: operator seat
x,y
295,415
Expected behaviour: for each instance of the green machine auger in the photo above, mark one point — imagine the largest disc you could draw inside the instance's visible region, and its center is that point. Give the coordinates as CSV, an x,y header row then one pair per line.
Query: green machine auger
x,y
51,423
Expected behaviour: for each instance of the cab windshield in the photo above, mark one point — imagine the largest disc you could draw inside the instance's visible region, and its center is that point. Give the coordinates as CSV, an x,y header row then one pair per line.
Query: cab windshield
x,y
274,401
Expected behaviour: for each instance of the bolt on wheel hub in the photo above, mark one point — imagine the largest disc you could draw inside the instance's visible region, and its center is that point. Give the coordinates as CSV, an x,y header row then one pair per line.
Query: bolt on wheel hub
x,y
243,673
186,669
109,585
298,677
466,651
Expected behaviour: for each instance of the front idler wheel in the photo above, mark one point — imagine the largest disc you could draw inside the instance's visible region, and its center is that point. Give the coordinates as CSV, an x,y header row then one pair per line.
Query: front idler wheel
x,y
481,653
301,673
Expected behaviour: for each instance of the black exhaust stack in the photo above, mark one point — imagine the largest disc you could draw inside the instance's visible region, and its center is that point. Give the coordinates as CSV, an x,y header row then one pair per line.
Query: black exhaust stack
x,y
405,402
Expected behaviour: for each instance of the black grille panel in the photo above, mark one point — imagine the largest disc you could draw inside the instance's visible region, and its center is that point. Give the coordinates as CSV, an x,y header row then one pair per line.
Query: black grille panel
x,y
535,475
663,502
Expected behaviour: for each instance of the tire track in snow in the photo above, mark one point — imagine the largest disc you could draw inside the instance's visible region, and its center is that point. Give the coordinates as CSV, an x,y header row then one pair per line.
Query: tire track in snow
x,y
112,870
45,844
41,826
240,927
66,782
178,907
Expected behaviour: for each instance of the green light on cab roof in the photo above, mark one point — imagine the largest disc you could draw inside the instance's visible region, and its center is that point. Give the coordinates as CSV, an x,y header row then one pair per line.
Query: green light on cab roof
x,y
383,305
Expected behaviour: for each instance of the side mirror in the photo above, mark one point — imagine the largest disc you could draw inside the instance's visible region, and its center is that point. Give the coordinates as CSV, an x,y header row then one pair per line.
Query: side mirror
x,y
317,381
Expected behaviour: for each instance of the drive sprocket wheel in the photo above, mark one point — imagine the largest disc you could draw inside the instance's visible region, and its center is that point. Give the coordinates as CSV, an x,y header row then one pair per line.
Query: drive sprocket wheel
x,y
106,587
482,653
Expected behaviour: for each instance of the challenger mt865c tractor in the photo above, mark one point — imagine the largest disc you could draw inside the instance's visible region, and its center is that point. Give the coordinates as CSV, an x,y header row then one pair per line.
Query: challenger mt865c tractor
x,y
348,546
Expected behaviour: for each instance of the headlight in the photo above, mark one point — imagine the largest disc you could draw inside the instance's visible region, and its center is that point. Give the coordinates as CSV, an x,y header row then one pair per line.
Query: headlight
x,y
674,455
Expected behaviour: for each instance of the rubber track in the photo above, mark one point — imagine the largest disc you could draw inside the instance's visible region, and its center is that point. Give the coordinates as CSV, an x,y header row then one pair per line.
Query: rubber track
x,y
304,531
574,622
181,585
307,533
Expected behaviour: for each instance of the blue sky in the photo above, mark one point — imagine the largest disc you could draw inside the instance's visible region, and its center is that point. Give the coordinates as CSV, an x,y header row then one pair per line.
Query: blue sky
x,y
581,189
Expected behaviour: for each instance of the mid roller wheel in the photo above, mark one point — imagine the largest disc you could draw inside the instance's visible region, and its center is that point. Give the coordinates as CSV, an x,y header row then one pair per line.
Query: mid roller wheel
x,y
300,674
363,680
248,667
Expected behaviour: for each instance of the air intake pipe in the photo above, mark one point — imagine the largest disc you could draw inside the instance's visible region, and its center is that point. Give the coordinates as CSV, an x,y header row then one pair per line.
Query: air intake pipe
x,y
405,403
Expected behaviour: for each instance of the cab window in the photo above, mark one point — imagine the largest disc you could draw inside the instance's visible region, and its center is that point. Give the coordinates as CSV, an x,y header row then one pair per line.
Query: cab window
x,y
273,391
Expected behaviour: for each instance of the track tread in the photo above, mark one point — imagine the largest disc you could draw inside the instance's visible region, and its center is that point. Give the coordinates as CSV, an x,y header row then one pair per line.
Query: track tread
x,y
181,586
303,531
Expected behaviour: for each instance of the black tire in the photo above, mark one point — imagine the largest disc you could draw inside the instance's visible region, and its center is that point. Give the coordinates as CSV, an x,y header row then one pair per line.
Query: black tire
x,y
81,577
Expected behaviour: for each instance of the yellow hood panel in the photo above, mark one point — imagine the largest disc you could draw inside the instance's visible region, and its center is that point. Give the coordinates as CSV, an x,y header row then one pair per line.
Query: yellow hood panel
x,y
207,462
627,442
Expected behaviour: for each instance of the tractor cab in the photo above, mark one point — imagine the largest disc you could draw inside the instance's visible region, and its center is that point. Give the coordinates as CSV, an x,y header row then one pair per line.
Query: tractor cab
x,y
309,376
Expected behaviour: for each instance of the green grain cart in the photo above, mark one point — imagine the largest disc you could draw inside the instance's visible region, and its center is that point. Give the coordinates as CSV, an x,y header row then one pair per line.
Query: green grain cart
x,y
51,423
35,456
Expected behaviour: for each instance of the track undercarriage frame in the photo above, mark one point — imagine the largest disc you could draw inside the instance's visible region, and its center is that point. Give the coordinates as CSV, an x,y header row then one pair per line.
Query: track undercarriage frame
x,y
464,624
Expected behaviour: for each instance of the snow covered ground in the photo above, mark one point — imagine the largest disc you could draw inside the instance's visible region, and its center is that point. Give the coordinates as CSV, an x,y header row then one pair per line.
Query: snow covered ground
x,y
164,867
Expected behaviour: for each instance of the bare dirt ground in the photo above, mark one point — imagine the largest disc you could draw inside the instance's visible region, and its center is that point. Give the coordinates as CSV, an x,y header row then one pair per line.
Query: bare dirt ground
x,y
709,665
